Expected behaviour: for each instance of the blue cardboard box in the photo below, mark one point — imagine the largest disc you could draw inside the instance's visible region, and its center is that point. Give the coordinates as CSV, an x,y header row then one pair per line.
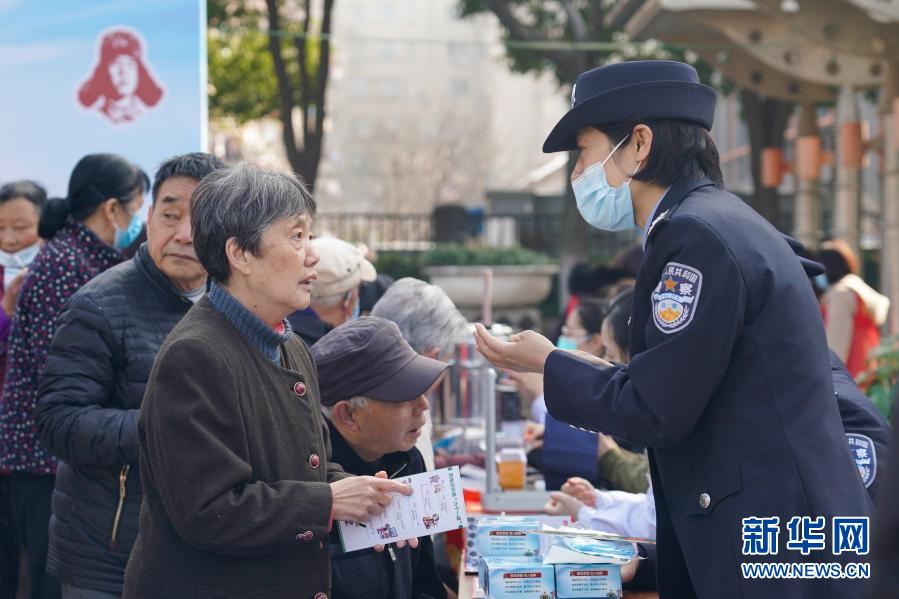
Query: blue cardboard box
x,y
574,581
518,579
507,536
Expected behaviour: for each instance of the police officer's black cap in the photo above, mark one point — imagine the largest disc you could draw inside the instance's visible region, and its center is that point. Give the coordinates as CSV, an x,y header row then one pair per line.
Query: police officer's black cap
x,y
633,91
368,357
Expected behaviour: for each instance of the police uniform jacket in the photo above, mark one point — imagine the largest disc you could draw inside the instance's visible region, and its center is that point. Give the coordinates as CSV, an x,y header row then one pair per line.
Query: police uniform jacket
x,y
729,387
234,457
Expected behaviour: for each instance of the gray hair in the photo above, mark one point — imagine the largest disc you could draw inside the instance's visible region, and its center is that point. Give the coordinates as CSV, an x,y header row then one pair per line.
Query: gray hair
x,y
242,202
425,314
356,403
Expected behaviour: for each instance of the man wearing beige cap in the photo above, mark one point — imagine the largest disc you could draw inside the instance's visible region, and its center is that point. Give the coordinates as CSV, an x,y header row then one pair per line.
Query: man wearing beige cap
x,y
335,291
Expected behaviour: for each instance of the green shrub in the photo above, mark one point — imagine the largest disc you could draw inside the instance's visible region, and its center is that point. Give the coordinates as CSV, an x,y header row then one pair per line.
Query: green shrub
x,y
457,255
399,264
880,378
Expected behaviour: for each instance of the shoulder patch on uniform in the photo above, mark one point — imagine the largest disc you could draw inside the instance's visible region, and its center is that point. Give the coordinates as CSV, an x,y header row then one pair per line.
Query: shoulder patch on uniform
x,y
676,297
865,455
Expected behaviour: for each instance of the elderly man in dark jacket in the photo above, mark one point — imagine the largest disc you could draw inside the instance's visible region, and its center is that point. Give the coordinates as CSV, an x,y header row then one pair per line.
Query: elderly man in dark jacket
x,y
94,380
373,387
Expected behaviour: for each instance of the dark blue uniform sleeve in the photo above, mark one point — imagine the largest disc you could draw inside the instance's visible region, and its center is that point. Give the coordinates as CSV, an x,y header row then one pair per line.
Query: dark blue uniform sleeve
x,y
867,430
658,398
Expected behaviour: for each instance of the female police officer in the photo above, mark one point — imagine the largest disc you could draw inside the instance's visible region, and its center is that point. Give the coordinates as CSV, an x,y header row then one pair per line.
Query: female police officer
x,y
729,383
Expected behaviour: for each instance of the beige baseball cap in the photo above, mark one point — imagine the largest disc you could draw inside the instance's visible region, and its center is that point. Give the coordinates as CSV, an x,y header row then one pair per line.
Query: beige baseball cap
x,y
342,267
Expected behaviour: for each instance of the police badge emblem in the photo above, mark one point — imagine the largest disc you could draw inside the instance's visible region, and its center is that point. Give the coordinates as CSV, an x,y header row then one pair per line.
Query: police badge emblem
x,y
676,297
865,455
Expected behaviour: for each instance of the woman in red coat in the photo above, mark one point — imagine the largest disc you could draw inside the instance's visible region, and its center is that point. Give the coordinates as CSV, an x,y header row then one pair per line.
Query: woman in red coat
x,y
853,311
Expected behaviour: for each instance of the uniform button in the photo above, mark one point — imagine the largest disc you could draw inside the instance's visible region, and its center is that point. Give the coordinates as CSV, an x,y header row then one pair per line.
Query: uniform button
x,y
705,501
300,388
314,461
321,596
307,535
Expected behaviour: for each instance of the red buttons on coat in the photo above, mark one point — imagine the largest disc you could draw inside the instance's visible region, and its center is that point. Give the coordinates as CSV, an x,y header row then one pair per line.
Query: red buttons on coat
x,y
320,596
314,461
300,388
304,536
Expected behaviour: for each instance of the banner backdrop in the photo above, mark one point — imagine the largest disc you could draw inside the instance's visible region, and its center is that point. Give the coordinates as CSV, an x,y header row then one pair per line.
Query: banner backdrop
x,y
127,77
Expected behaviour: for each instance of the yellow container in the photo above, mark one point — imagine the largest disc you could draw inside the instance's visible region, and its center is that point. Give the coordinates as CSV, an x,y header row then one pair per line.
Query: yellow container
x,y
511,465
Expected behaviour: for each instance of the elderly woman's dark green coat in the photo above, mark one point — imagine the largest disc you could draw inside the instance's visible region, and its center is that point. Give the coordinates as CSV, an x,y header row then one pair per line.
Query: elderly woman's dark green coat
x,y
235,470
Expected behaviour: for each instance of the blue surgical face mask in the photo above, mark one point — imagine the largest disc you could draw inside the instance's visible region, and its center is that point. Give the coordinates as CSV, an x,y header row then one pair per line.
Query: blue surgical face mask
x,y
601,205
125,237
357,310
822,282
565,342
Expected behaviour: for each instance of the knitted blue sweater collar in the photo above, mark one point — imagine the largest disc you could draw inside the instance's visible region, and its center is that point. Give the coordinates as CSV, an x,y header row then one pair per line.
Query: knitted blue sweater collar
x,y
259,334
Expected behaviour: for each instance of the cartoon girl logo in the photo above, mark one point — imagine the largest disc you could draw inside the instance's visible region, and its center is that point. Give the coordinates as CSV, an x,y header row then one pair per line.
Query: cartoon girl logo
x,y
121,84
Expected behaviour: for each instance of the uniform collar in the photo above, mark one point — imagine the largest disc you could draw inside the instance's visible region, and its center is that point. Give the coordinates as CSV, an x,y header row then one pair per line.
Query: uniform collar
x,y
652,216
669,203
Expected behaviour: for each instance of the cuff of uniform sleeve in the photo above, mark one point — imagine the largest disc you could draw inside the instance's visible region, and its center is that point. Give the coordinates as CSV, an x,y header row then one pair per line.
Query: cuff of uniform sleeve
x,y
568,384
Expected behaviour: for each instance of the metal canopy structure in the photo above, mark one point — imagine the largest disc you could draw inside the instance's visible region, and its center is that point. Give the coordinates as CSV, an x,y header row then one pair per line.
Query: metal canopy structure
x,y
808,52
758,50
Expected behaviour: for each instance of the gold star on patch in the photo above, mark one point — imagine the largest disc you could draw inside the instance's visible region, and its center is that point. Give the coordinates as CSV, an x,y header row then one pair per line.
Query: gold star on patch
x,y
670,284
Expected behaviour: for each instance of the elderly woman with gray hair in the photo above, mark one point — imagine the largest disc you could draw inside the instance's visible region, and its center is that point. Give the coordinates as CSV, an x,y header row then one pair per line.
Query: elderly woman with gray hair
x,y
239,490
431,324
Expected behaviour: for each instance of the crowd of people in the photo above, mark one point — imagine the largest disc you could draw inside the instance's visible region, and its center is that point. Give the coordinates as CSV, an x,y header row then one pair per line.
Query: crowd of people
x,y
190,404
102,357
137,456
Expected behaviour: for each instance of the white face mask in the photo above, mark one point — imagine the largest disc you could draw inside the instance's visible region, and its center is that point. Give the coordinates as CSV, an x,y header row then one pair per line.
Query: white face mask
x,y
14,263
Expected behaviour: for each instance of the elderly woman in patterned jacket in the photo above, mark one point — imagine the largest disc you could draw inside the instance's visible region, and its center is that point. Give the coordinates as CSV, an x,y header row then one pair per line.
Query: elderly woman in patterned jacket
x,y
85,231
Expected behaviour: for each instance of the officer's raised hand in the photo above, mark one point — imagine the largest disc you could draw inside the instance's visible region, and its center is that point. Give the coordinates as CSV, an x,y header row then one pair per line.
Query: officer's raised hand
x,y
524,352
